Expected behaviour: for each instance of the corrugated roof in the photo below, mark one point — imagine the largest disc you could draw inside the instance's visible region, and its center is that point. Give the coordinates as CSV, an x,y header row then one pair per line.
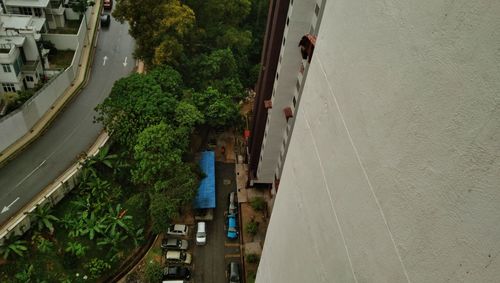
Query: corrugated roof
x,y
205,198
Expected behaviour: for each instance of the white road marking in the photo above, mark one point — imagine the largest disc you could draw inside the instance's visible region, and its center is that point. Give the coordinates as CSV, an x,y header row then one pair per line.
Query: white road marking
x,y
6,208
104,60
30,173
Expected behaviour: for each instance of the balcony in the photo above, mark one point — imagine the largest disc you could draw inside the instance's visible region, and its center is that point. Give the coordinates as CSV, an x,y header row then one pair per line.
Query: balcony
x,y
30,66
55,7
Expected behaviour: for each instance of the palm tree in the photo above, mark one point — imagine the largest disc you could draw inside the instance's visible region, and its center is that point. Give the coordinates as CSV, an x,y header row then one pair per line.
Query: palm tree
x,y
103,157
76,249
42,218
26,274
42,244
113,239
92,225
117,218
13,245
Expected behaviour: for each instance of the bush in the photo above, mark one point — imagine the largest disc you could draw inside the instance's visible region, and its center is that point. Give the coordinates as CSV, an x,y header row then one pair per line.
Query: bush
x,y
96,267
136,206
252,227
258,203
70,261
253,258
251,276
153,272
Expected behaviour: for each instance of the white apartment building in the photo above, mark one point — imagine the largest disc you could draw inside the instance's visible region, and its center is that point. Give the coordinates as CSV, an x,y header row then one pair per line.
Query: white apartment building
x,y
386,146
51,10
21,57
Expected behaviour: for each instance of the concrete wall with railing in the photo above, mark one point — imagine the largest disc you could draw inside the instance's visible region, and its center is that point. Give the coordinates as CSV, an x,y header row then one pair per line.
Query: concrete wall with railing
x,y
18,123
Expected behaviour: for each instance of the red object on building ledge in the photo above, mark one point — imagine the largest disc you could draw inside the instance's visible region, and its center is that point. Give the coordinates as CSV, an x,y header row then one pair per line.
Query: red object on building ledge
x,y
306,44
268,104
246,134
288,112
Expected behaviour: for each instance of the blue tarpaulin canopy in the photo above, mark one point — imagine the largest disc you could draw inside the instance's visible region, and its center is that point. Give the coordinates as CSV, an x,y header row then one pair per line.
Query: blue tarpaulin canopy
x,y
205,198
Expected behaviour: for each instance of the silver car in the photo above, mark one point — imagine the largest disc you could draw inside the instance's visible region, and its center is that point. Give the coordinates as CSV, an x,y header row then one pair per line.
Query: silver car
x,y
178,230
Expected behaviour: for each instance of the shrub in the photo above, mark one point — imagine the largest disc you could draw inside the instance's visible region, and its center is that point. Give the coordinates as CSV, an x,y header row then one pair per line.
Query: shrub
x,y
96,267
252,227
251,276
253,258
136,206
70,261
258,203
153,271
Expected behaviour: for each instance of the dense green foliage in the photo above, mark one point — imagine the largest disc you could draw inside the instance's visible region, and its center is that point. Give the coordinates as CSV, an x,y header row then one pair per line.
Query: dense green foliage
x,y
184,34
200,57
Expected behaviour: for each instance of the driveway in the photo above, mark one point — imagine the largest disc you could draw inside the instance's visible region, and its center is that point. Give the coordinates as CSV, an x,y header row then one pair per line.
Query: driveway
x,y
210,260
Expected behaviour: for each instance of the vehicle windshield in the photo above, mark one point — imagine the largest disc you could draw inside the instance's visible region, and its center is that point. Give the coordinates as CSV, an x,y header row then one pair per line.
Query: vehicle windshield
x,y
183,256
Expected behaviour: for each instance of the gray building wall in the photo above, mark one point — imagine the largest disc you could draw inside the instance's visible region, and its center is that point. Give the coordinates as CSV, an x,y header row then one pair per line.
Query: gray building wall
x,y
393,168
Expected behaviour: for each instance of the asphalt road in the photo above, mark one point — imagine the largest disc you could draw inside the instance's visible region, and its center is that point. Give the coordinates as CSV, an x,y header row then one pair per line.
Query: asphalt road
x,y
210,261
73,131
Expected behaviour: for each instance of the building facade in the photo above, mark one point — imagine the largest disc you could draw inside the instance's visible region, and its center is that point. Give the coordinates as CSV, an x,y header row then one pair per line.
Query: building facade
x,y
385,139
21,56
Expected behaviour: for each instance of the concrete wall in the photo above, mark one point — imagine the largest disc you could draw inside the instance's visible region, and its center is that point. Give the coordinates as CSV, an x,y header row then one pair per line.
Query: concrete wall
x,y
393,168
18,123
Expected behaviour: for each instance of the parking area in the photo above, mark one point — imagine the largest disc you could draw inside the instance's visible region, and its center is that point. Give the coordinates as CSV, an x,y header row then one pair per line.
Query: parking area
x,y
210,261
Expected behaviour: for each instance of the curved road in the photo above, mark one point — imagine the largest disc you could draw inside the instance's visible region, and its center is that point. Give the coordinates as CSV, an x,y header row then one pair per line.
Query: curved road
x,y
73,131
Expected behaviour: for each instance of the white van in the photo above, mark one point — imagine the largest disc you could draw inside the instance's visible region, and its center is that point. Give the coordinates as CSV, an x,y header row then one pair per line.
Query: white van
x,y
201,233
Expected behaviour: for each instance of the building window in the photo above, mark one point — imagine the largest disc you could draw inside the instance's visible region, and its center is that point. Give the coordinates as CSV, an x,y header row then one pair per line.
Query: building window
x,y
277,76
25,11
38,12
18,64
6,68
29,79
9,87
316,10
294,101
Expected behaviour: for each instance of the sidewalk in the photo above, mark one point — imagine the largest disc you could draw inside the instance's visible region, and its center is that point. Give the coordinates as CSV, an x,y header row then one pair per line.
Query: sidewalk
x,y
79,82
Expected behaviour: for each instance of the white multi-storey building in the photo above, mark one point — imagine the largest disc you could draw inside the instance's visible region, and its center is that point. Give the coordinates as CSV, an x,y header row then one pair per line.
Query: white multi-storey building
x,y
386,145
51,10
20,53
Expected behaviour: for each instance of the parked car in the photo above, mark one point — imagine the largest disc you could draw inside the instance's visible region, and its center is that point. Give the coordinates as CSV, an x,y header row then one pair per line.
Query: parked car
x,y
233,272
174,244
232,227
232,206
105,20
178,257
176,272
177,230
201,233
107,4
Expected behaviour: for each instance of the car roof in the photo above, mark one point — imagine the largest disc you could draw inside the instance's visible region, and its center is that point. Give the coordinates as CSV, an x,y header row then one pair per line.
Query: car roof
x,y
232,220
173,253
172,241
